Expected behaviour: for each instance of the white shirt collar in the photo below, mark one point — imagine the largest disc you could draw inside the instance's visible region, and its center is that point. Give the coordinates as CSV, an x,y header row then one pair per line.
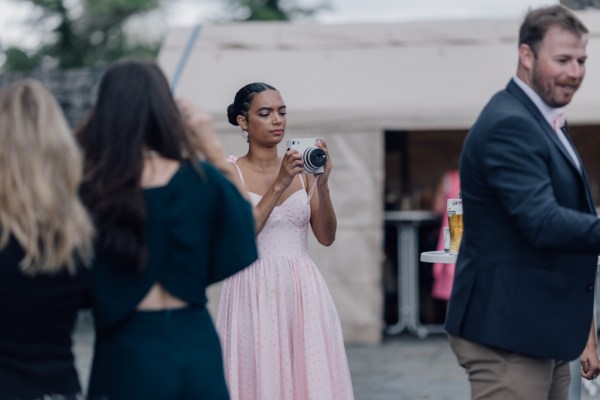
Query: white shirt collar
x,y
548,112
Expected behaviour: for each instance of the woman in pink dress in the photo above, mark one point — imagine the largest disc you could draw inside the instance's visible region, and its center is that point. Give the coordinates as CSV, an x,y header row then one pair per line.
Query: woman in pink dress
x,y
279,327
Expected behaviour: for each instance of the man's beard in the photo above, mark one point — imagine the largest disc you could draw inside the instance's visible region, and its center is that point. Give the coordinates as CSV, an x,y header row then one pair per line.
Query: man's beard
x,y
545,88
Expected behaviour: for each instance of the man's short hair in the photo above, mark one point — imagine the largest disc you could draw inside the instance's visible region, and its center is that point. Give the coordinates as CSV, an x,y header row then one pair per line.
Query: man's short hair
x,y
539,20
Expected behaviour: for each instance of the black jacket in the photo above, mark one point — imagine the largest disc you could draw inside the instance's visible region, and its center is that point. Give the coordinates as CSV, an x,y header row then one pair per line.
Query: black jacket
x,y
526,269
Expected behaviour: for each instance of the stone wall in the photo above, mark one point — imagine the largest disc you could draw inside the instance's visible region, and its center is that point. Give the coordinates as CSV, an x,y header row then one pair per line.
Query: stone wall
x,y
74,89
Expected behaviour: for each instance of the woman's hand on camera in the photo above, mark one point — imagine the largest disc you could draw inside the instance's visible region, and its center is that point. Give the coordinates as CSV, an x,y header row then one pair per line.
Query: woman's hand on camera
x,y
291,165
324,177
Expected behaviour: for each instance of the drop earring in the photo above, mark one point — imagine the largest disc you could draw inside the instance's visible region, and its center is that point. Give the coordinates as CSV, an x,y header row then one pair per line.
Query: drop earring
x,y
245,135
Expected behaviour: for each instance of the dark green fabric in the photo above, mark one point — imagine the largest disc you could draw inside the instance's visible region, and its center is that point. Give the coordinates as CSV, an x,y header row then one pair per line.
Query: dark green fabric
x,y
160,355
199,230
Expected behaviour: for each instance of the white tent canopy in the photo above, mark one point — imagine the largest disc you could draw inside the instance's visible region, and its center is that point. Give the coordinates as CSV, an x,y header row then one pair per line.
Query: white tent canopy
x,y
348,84
421,75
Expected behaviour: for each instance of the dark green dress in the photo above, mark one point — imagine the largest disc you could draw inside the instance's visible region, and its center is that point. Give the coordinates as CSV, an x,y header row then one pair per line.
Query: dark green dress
x,y
199,230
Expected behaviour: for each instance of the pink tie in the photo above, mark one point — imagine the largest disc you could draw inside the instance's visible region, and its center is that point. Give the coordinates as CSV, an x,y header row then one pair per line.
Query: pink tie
x,y
559,122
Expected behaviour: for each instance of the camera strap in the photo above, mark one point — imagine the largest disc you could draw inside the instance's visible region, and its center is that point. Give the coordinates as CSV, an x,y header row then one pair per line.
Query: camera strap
x,y
312,189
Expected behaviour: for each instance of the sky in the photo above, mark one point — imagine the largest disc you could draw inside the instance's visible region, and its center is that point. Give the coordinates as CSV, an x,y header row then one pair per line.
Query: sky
x,y
15,31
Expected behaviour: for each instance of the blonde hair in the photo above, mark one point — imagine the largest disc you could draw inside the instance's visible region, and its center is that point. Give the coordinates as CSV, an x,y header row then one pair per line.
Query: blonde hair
x,y
40,172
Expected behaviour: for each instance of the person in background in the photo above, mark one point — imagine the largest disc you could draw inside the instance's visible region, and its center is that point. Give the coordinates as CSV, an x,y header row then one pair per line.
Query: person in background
x,y
168,226
522,301
45,242
443,274
279,327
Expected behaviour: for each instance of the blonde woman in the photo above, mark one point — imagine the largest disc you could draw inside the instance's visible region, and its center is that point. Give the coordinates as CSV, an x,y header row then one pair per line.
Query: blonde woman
x,y
45,237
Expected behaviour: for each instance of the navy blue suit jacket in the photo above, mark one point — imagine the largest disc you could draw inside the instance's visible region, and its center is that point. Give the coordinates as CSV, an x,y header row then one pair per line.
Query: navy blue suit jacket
x,y
526,269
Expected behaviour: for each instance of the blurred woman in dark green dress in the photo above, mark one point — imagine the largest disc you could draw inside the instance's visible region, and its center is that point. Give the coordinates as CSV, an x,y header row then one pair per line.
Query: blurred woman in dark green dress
x,y
168,226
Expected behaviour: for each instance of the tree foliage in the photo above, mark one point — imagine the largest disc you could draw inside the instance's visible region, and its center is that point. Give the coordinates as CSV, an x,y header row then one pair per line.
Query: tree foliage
x,y
278,10
94,33
92,37
18,60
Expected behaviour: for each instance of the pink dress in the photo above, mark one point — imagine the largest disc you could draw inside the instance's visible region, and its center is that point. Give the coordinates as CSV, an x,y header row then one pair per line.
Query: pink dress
x,y
278,325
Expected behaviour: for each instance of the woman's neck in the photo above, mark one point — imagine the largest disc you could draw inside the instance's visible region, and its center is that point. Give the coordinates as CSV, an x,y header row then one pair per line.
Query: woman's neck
x,y
158,171
264,159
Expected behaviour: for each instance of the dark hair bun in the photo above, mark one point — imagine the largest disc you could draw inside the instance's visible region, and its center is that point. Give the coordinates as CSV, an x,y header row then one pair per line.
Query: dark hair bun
x,y
232,115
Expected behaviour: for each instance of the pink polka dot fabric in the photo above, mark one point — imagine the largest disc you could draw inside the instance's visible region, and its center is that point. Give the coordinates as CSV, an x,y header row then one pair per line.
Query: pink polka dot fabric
x,y
279,328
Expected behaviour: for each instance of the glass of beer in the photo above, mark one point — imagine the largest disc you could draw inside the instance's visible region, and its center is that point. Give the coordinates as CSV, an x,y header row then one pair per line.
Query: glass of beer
x,y
455,223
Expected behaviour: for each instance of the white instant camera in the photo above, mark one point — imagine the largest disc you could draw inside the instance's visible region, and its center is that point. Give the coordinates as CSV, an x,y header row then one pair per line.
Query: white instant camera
x,y
314,157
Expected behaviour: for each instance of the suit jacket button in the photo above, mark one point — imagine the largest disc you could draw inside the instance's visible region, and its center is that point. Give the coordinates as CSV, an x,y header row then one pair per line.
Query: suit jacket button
x,y
590,288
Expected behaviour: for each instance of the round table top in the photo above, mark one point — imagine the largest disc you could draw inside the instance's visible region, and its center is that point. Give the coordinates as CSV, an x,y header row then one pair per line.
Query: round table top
x,y
438,257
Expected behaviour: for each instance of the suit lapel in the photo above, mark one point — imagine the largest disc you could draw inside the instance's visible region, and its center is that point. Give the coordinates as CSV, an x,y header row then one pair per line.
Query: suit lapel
x,y
513,89
520,95
568,136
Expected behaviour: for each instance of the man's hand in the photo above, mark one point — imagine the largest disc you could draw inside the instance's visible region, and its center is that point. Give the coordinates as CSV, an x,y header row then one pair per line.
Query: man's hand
x,y
590,364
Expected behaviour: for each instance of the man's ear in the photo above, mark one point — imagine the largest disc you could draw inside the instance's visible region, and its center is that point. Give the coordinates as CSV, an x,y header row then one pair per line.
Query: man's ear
x,y
526,56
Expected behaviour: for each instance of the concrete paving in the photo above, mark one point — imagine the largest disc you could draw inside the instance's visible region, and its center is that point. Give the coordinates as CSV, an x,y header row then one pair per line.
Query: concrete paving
x,y
406,367
402,367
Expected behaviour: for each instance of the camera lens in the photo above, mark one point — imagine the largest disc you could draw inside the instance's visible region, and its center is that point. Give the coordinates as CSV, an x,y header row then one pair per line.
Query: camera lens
x,y
314,158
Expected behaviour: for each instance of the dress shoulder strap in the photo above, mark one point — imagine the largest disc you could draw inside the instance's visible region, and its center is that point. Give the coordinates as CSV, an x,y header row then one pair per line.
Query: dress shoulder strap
x,y
302,181
233,160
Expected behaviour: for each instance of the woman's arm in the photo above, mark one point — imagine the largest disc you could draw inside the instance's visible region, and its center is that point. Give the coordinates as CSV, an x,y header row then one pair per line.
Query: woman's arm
x,y
323,220
205,140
